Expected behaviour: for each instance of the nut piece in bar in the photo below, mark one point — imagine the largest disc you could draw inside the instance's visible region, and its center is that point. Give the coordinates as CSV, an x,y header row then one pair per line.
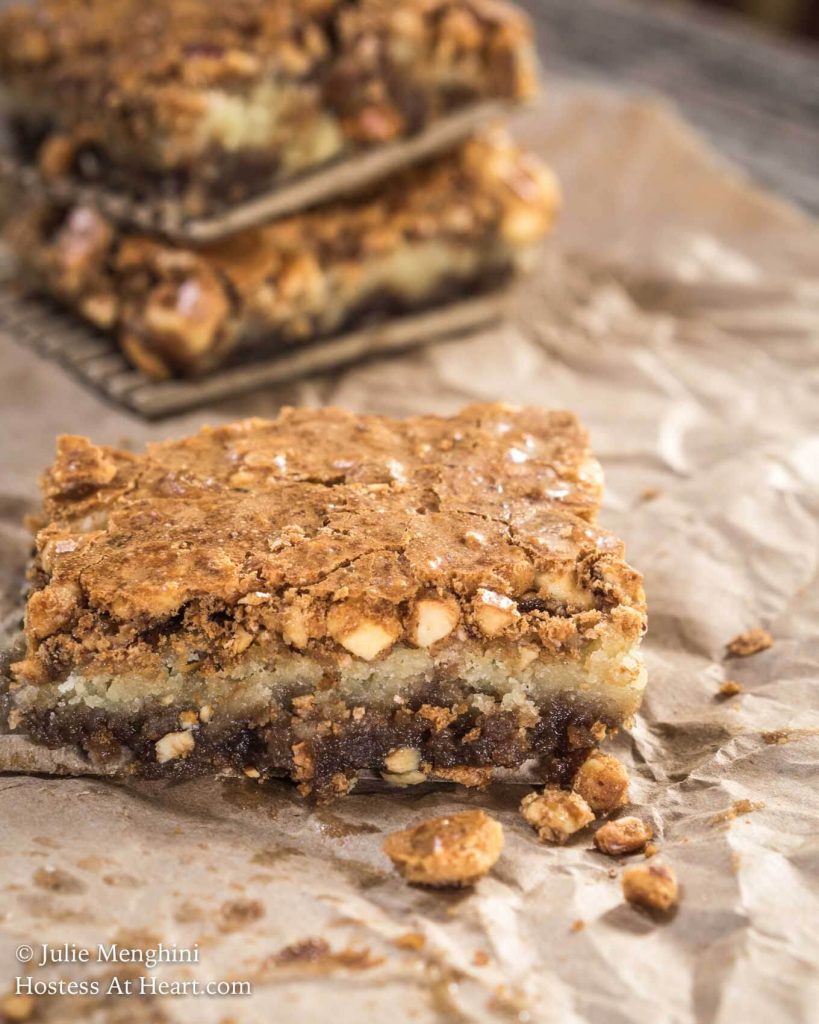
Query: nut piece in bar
x,y
448,229
213,103
556,814
456,850
602,781
622,836
652,886
303,597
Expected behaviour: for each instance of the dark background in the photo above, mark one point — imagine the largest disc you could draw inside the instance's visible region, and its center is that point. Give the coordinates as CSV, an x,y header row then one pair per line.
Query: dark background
x,y
745,72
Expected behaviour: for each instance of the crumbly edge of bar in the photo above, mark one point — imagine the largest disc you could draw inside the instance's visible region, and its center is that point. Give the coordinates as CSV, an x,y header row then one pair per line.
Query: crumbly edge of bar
x,y
360,75
454,225
323,743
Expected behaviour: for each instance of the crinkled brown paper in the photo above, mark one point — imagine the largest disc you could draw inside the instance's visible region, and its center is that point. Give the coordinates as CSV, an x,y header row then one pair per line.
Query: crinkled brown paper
x,y
678,313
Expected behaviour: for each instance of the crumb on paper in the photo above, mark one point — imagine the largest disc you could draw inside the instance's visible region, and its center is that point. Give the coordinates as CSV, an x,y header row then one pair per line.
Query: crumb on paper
x,y
411,940
651,850
737,808
577,925
17,1008
454,850
316,956
236,914
625,835
602,781
650,493
481,958
555,814
730,688
653,886
751,642
775,737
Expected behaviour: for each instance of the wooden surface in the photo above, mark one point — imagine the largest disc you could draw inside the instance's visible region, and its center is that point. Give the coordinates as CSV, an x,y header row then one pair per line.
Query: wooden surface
x,y
755,96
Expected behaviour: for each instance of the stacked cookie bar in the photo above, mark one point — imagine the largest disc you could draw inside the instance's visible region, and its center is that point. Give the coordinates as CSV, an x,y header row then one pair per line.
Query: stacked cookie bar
x,y
166,134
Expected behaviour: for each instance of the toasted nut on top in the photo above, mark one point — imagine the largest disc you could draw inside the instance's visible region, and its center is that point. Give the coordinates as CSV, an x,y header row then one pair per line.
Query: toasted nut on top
x,y
625,835
651,885
556,814
455,850
602,781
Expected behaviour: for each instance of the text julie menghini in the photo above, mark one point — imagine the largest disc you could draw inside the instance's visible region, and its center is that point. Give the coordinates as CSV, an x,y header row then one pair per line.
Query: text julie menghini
x,y
148,957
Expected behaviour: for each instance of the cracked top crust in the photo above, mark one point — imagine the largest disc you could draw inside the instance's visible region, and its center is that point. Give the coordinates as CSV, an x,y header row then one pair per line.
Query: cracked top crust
x,y
326,531
125,71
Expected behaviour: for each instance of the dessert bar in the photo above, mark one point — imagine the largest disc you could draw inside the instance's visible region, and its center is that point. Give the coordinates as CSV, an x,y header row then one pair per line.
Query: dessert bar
x,y
329,593
447,229
214,102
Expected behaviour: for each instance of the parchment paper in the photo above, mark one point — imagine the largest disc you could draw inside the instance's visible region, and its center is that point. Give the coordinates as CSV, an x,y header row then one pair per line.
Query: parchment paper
x,y
677,311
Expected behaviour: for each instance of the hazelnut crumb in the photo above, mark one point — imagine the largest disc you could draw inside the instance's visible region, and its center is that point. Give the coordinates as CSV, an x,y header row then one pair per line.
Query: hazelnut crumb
x,y
751,642
650,493
556,814
481,958
625,835
651,850
577,925
454,850
653,886
602,781
737,808
410,940
730,688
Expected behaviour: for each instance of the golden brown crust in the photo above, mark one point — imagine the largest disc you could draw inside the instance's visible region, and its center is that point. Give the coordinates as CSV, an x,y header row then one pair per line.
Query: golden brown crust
x,y
179,310
143,73
456,850
323,531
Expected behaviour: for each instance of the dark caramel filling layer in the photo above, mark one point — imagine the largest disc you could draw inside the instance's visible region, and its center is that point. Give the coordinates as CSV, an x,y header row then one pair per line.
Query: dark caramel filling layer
x,y
324,753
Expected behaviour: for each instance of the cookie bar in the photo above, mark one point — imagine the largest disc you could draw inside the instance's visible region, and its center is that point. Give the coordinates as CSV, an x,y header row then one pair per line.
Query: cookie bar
x,y
447,229
327,593
212,103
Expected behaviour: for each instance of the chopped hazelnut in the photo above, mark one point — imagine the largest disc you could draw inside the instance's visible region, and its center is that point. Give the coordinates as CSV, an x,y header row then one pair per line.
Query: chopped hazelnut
x,y
653,886
450,851
556,814
730,688
494,612
365,637
602,781
173,745
625,835
402,759
433,620
205,713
